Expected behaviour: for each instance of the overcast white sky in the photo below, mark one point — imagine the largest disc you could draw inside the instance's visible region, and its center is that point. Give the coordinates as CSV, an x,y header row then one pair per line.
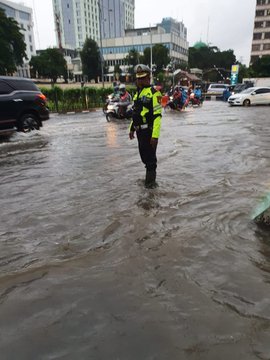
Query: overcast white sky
x,y
227,24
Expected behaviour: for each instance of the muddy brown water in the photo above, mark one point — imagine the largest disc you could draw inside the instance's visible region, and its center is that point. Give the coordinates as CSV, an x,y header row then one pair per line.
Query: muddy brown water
x,y
95,266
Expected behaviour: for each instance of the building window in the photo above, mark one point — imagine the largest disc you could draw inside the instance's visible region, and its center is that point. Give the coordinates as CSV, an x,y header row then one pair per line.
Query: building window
x,y
260,13
257,36
267,35
24,15
68,6
266,46
256,47
258,24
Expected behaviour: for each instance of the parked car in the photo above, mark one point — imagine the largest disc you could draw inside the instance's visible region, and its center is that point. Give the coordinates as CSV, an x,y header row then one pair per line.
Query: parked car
x,y
217,89
251,96
22,105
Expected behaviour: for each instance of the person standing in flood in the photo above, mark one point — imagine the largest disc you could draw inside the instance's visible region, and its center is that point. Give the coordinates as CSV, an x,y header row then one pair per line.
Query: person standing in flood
x,y
146,121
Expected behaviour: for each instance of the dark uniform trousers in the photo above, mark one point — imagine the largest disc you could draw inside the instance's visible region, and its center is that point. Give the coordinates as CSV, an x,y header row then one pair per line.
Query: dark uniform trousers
x,y
147,151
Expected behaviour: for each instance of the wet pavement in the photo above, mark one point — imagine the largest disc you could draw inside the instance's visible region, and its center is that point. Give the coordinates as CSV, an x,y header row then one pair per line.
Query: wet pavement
x,y
95,266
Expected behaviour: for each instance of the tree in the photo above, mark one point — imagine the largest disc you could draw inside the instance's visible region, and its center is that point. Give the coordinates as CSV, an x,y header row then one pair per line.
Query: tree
x,y
261,67
91,59
50,64
117,71
215,64
244,72
207,57
160,56
12,45
132,58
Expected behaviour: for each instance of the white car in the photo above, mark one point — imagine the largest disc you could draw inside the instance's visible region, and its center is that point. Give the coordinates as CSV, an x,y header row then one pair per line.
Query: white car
x,y
217,89
251,96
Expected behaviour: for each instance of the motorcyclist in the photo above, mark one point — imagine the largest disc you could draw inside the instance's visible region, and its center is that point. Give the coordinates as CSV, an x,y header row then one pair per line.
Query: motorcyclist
x,y
116,93
177,96
124,100
226,94
114,97
198,94
185,98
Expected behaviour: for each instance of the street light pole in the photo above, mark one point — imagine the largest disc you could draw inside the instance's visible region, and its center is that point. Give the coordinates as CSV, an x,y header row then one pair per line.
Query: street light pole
x,y
151,54
101,48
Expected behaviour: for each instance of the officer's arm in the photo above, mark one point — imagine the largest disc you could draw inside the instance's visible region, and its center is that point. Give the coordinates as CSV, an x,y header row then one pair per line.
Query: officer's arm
x,y
157,112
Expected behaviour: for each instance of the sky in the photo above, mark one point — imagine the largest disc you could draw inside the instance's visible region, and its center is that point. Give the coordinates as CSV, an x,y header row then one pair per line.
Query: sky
x,y
227,24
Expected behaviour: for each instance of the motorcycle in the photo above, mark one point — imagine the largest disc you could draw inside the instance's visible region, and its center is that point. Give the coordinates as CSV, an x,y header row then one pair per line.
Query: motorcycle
x,y
109,100
113,113
195,101
172,105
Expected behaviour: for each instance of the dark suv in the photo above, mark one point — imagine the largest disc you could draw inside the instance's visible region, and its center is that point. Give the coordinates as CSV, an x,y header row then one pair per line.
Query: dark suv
x,y
22,105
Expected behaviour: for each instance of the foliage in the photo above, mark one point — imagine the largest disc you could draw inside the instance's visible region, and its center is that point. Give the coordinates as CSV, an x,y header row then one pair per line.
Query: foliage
x,y
132,58
49,64
90,56
77,99
244,72
117,71
12,45
261,67
216,64
160,56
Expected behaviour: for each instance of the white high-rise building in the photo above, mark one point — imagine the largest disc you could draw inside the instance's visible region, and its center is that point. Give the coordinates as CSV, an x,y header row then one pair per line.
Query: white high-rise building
x,y
75,20
23,15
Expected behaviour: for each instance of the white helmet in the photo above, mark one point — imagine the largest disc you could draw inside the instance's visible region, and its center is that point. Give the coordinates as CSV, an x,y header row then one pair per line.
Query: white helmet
x,y
122,87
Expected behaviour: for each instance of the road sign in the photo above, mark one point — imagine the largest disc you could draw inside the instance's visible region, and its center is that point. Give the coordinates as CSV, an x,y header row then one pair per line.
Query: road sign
x,y
234,74
234,78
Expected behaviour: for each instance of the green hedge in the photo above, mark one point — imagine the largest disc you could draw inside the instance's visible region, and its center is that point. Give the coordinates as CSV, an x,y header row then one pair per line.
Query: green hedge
x,y
77,99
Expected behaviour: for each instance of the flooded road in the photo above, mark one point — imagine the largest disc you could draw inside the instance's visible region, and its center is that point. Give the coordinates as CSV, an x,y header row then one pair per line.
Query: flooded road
x,y
95,266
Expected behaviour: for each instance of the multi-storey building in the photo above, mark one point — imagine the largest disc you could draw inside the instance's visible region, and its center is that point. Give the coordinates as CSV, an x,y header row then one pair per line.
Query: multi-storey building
x,y
115,50
23,15
261,32
76,20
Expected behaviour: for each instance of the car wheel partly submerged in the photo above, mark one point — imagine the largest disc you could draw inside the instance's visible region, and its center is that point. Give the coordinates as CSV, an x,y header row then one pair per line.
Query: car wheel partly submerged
x,y
28,122
246,102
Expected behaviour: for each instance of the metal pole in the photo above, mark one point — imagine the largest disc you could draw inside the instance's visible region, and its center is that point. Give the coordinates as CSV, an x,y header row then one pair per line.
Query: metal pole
x,y
101,48
151,54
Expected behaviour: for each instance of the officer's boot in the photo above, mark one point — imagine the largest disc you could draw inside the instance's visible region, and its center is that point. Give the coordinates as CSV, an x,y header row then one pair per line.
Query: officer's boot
x,y
150,179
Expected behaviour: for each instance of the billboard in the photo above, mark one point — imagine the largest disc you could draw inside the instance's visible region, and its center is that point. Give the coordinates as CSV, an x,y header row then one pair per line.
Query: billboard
x,y
234,74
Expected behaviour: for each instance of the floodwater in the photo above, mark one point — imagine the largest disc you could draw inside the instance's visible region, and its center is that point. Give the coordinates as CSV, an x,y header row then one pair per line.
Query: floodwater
x,y
95,266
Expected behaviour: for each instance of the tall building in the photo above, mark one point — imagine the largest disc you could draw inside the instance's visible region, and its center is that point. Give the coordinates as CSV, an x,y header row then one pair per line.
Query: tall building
x,y
174,27
75,20
261,32
23,15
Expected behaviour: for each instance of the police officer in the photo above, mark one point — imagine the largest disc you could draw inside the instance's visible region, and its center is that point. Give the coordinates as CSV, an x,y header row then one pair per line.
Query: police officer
x,y
146,121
